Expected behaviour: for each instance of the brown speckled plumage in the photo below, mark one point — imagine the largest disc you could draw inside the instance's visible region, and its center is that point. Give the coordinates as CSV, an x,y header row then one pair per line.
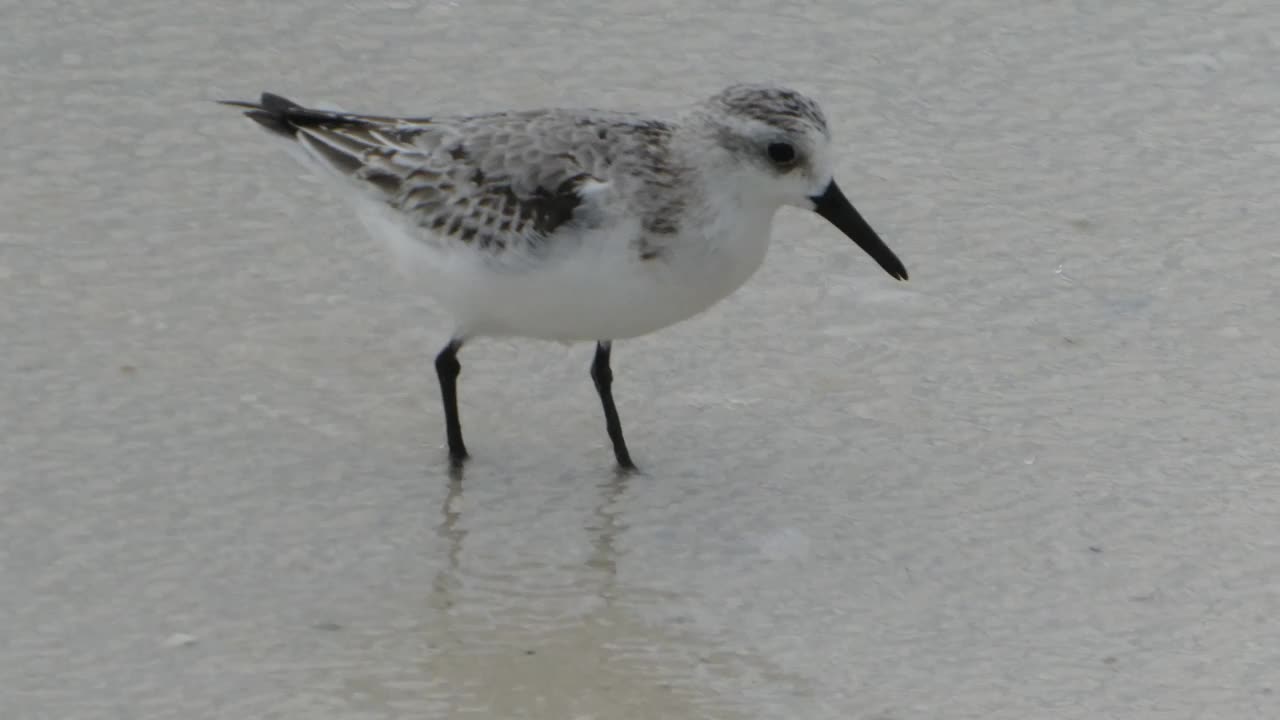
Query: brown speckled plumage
x,y
780,107
495,181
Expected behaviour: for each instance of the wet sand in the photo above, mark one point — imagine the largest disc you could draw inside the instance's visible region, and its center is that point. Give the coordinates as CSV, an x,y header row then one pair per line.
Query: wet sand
x,y
1038,481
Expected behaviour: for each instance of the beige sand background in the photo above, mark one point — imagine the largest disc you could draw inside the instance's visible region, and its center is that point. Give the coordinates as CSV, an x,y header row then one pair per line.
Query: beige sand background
x,y
1038,481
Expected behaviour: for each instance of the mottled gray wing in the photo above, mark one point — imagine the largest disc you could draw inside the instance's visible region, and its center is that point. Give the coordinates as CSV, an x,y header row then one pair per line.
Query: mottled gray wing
x,y
499,182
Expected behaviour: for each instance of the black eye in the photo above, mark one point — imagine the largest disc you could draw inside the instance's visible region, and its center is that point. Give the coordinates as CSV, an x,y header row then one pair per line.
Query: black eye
x,y
782,153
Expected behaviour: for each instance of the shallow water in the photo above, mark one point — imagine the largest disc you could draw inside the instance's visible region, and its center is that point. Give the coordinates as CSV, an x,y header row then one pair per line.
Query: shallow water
x,y
1039,480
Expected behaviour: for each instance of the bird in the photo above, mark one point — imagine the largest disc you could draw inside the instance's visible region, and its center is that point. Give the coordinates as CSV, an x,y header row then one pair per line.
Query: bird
x,y
576,224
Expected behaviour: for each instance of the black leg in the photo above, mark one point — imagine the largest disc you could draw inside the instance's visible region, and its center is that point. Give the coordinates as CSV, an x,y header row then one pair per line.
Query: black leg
x,y
447,368
603,377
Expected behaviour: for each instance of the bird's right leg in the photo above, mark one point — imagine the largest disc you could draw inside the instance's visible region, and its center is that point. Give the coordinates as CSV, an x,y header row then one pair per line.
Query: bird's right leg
x,y
447,368
602,374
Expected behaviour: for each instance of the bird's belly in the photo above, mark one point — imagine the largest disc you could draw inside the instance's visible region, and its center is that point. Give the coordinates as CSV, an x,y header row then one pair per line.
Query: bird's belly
x,y
598,291
569,304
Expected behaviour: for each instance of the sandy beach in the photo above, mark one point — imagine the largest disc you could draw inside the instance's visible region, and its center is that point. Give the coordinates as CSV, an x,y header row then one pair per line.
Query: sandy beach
x,y
1040,481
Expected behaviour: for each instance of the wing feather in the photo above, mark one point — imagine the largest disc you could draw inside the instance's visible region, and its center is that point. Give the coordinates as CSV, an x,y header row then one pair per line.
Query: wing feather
x,y
501,182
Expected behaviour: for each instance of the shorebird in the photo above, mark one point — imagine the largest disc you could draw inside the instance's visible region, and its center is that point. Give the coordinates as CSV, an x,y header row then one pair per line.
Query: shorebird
x,y
577,224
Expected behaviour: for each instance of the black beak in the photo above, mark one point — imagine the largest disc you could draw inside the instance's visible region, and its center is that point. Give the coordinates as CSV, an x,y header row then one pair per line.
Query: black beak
x,y
835,207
